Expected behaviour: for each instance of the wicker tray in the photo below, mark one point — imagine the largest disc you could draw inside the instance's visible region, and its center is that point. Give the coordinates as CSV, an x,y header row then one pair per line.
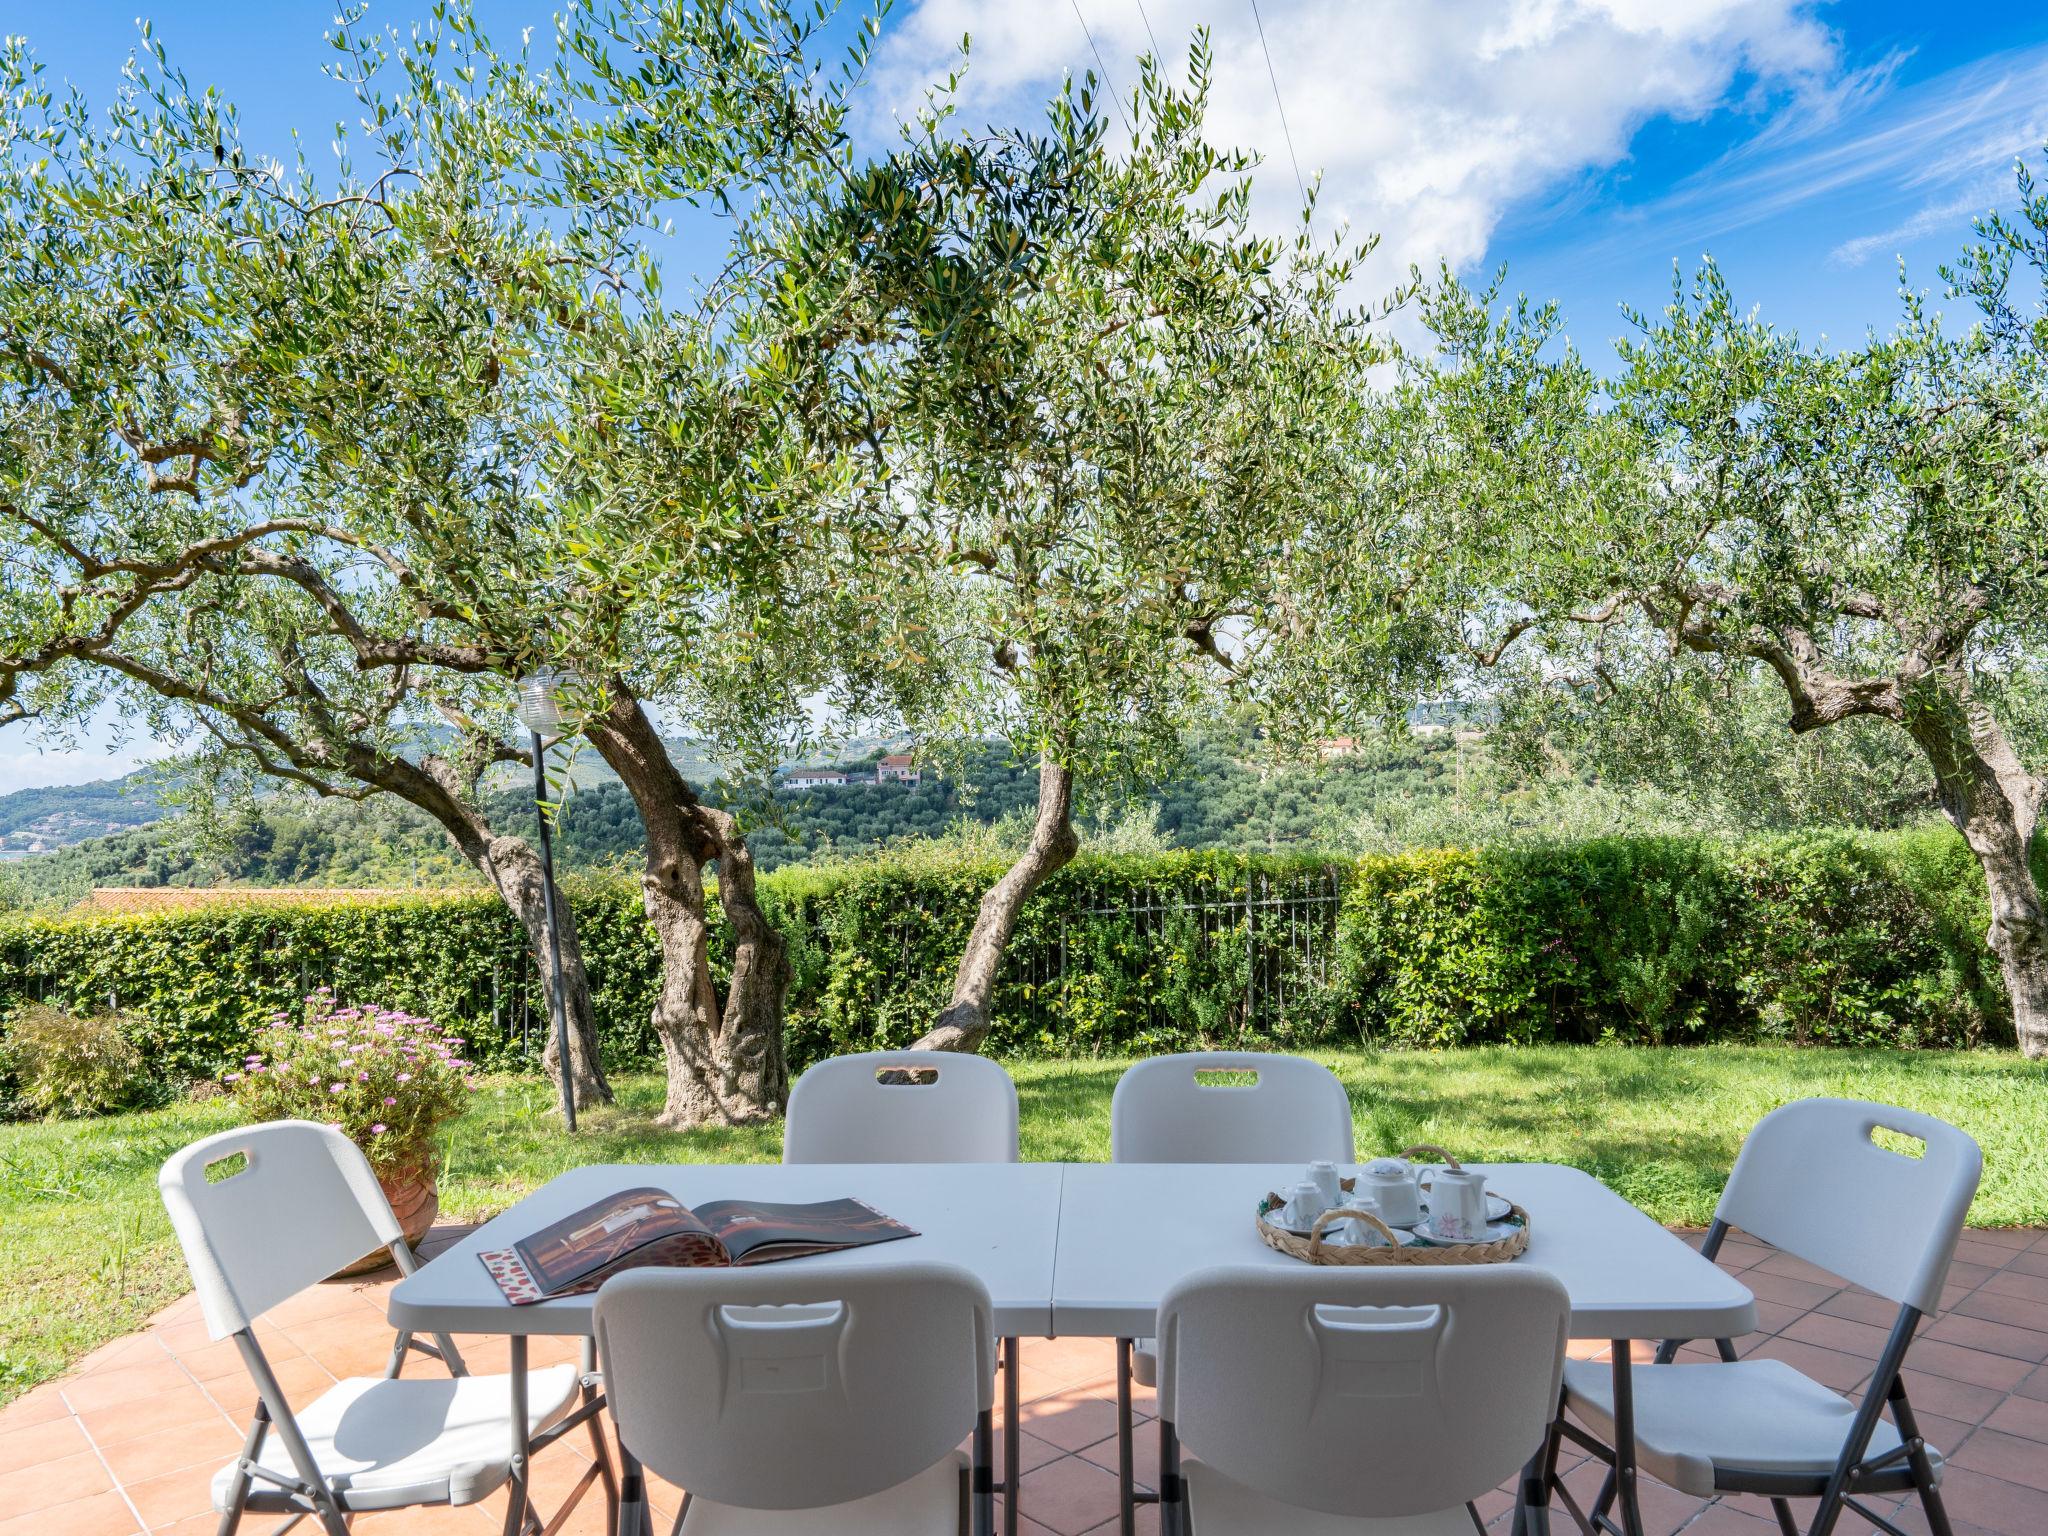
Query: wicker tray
x,y
1312,1250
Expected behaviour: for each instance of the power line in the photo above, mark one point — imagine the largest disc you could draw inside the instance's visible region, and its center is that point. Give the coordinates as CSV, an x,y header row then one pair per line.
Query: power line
x,y
1148,31
1299,185
1104,68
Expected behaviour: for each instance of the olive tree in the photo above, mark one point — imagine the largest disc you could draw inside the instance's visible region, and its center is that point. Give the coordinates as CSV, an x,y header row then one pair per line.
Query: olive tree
x,y
1862,530
280,454
1099,459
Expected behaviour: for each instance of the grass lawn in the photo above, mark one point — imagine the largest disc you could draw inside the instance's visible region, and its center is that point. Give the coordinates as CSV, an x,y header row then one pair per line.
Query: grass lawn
x,y
87,1250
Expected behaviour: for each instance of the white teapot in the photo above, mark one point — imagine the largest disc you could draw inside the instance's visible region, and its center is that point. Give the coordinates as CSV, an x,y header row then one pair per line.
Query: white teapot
x,y
1389,1183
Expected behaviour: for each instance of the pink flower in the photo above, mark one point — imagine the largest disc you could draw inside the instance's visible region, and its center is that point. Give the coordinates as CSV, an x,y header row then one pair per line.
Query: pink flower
x,y
377,1129
232,1077
389,1102
405,1077
337,1087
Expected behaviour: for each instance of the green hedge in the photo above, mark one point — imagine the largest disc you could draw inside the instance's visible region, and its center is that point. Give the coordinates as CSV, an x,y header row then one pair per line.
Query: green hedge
x,y
1824,938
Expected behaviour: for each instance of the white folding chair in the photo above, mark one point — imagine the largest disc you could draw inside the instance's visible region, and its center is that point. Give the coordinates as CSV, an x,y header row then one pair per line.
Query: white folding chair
x,y
1171,1109
1342,1401
1813,1181
915,1107
266,1211
803,1400
902,1107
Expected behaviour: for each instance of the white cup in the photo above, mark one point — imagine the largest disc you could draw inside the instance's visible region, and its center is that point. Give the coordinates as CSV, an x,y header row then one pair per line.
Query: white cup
x,y
1324,1176
1353,1233
1304,1204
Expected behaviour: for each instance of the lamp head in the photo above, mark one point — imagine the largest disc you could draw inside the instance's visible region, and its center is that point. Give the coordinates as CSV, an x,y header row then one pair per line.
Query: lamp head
x,y
540,700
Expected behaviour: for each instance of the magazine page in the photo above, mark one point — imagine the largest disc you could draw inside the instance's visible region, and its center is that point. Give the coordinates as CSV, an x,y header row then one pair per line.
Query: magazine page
x,y
755,1232
633,1228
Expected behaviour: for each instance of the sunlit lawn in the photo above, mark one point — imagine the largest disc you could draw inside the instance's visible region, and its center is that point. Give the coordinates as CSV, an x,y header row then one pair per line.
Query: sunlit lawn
x,y
87,1252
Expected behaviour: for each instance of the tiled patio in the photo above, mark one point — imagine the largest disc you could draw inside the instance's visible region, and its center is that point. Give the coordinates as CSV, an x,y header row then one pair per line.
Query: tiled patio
x,y
129,1441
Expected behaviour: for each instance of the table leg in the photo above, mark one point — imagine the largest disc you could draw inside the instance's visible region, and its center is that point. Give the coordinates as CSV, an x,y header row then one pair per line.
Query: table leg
x,y
518,1488
1625,1437
1013,1474
1127,1510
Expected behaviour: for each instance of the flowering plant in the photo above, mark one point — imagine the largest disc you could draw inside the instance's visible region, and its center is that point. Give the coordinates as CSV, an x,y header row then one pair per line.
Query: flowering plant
x,y
387,1080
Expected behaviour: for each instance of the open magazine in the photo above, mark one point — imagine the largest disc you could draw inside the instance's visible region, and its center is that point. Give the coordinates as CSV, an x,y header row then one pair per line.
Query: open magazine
x,y
637,1228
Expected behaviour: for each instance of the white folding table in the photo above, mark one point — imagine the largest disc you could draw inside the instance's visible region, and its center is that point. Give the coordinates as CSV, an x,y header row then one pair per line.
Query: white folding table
x,y
1129,1232
998,1220
1090,1249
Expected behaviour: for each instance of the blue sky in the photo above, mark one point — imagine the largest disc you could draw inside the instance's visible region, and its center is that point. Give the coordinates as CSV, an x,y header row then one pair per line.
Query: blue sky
x,y
1588,144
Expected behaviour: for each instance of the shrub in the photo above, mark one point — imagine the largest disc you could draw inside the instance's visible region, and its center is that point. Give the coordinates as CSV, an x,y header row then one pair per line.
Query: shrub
x,y
386,1079
1823,937
66,1065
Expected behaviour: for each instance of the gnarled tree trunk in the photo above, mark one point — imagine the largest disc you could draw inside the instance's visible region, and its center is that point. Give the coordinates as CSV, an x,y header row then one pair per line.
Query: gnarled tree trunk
x,y
724,1065
1996,804
964,1023
514,870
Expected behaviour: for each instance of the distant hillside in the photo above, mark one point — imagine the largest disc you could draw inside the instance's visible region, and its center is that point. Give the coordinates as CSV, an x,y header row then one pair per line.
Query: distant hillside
x,y
41,820
1223,799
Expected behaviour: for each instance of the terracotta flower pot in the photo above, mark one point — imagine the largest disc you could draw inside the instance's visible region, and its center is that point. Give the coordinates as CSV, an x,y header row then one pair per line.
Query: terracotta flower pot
x,y
414,1201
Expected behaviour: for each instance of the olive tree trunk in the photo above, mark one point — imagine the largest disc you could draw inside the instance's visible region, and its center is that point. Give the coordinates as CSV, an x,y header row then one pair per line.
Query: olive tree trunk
x,y
1996,804
965,1021
724,1064
514,871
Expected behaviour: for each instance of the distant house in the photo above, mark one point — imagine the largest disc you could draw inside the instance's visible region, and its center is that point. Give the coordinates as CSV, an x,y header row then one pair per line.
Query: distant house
x,y
814,778
1336,746
898,768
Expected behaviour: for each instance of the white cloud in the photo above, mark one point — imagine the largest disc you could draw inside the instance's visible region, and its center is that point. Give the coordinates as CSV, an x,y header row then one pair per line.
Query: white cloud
x,y
1426,120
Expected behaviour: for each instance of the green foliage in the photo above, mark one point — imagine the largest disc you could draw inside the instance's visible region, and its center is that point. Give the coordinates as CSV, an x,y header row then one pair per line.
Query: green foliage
x,y
388,1080
66,1064
1812,938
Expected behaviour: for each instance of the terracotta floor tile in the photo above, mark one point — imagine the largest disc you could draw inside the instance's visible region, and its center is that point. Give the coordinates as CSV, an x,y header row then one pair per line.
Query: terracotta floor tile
x,y
144,1348
1147,1523
1725,1517
1839,1333
1951,1399
301,1379
2010,1457
58,1481
103,1514
1070,1420
37,1406
1995,1307
174,1496
33,1444
1997,1338
2033,1262
1144,1453
1996,1505
173,1408
123,1384
2022,1416
1793,1292
1969,1276
1861,1307
1971,1248
1971,1365
2011,1282
1069,1495
138,1460
315,1304
1795,1268
1831,1367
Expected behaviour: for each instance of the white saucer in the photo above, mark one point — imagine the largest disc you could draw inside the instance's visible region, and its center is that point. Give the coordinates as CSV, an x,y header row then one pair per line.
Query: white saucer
x,y
1495,1231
